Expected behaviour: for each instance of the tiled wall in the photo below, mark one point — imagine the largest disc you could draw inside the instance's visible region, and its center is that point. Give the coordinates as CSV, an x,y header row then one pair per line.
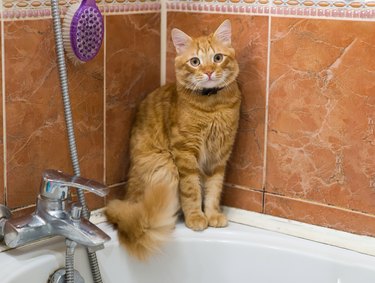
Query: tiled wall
x,y
305,148
306,142
104,93
321,143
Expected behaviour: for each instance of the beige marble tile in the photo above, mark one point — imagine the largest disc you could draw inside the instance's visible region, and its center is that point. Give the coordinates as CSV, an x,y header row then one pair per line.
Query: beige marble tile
x,y
243,199
36,134
133,70
322,215
321,143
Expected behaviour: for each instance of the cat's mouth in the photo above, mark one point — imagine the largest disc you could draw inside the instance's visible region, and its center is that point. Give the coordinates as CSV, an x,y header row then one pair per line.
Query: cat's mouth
x,y
207,88
210,83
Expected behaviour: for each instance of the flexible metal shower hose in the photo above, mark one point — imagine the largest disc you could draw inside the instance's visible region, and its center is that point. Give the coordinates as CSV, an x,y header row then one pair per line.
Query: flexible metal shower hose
x,y
69,275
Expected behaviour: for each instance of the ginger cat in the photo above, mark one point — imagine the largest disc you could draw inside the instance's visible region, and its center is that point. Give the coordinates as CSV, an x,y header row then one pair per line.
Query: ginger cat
x,y
180,143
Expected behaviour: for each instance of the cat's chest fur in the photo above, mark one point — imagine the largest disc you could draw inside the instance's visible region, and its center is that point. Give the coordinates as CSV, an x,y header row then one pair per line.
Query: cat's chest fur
x,y
216,142
209,134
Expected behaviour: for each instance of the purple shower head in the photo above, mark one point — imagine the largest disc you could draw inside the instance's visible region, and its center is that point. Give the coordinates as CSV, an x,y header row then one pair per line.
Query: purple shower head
x,y
83,31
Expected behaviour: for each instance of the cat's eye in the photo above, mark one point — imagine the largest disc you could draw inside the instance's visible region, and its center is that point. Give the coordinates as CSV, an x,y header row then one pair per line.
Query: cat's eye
x,y
195,62
218,58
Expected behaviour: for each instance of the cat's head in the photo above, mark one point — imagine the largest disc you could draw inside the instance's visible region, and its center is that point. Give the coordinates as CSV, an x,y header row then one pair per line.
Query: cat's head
x,y
205,62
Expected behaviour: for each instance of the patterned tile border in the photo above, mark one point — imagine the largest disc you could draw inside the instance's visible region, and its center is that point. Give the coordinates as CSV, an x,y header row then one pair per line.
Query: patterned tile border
x,y
256,7
35,4
14,10
364,10
340,9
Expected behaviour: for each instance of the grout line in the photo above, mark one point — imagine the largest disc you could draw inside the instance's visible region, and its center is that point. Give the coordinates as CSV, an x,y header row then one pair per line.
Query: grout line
x,y
265,143
267,105
163,41
263,202
235,186
105,104
23,207
117,184
3,108
140,12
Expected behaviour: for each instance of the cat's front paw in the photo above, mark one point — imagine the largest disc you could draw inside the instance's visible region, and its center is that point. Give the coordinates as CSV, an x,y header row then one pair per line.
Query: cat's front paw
x,y
196,222
217,220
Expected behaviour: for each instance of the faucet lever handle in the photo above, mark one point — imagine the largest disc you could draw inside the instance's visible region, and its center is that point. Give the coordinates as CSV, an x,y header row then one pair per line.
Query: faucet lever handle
x,y
55,185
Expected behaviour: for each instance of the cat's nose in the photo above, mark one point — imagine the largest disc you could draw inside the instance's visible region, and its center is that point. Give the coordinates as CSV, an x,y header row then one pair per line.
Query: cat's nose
x,y
209,74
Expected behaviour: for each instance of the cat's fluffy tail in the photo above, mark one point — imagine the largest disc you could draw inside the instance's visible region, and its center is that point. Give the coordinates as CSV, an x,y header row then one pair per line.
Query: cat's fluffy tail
x,y
145,225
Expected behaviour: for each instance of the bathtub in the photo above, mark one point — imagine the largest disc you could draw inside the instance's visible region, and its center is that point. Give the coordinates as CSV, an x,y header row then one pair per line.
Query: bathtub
x,y
236,254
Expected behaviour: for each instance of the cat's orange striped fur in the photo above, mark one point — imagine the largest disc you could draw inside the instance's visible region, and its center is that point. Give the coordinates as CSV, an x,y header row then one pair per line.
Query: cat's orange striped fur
x,y
180,143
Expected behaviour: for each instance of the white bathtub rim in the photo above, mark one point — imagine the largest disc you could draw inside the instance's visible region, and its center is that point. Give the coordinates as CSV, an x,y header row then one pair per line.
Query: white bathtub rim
x,y
246,235
332,237
345,240
358,243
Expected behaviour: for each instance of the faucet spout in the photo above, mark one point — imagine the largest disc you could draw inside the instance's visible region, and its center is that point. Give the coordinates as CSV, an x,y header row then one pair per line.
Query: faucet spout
x,y
82,232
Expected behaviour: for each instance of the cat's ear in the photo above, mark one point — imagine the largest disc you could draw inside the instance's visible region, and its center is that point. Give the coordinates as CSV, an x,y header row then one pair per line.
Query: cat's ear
x,y
180,40
224,33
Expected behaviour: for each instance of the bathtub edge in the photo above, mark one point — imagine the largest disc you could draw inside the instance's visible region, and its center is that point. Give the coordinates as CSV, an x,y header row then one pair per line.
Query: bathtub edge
x,y
341,239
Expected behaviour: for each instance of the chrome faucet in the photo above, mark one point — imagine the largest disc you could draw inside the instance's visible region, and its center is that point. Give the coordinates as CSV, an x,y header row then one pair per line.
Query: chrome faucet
x,y
55,215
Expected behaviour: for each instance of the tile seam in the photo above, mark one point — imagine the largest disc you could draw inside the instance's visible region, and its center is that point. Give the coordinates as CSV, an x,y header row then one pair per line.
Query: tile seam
x,y
105,104
5,194
23,207
243,188
163,41
117,185
266,114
